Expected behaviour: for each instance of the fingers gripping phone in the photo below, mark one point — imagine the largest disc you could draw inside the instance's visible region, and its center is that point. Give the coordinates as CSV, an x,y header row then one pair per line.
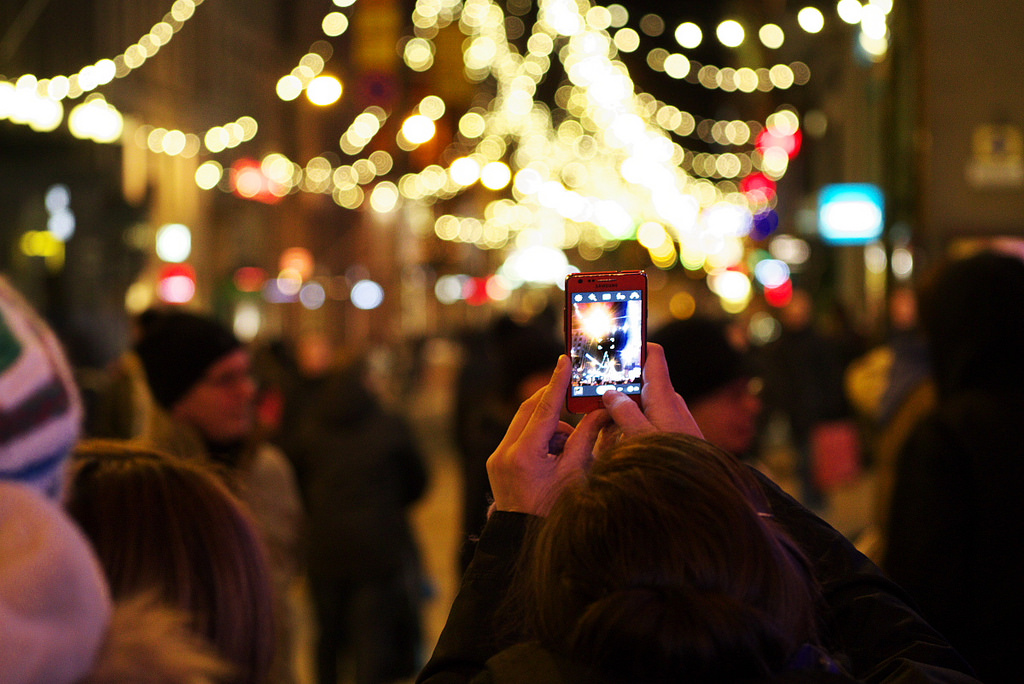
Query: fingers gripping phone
x,y
605,335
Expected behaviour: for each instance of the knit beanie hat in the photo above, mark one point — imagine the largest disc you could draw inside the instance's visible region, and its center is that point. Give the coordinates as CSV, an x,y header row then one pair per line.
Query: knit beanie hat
x,y
55,606
177,348
700,357
40,407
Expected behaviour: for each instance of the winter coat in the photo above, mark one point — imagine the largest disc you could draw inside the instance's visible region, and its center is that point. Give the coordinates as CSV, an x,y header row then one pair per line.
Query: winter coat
x,y
869,622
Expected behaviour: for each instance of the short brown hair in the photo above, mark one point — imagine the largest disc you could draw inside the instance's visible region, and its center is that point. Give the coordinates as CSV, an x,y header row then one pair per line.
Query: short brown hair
x,y
169,526
664,563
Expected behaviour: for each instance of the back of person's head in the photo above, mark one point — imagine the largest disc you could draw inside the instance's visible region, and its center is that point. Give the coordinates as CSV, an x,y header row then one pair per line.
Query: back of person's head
x,y
703,356
40,408
526,351
970,310
662,565
170,527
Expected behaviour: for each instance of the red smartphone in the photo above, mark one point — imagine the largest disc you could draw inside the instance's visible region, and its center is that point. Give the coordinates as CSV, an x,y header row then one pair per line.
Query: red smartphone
x,y
605,335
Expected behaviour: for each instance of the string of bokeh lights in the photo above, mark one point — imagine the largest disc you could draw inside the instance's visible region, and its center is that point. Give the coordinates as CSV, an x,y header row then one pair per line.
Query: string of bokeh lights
x,y
609,171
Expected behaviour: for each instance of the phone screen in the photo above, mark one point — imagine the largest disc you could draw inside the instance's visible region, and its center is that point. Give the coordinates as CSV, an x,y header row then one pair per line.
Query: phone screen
x,y
605,335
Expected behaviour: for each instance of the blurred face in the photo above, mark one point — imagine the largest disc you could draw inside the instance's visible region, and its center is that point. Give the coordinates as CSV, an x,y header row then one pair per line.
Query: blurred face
x,y
221,404
728,416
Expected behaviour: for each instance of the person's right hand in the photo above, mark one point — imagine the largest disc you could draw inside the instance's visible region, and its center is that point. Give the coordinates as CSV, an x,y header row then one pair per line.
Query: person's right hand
x,y
663,409
540,454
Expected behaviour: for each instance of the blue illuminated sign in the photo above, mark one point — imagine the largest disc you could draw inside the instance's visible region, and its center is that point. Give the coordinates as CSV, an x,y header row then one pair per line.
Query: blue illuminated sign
x,y
851,213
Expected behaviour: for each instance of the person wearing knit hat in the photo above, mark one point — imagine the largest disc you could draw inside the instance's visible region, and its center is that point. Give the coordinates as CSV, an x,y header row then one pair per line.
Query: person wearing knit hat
x,y
199,373
177,348
40,408
54,603
715,378
204,395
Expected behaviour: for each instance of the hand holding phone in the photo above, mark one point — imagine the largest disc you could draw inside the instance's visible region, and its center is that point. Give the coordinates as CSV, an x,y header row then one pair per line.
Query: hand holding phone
x,y
605,335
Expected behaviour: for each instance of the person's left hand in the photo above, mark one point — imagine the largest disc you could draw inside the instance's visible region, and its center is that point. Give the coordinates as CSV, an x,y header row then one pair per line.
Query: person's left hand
x,y
525,475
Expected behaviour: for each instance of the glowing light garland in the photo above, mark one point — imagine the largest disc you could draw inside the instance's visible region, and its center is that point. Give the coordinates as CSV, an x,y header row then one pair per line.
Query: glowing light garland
x,y
609,171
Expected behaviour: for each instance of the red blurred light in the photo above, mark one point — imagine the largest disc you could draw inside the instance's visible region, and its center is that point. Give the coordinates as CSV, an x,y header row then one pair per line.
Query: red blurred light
x,y
249,182
758,182
779,296
790,143
250,279
475,292
176,283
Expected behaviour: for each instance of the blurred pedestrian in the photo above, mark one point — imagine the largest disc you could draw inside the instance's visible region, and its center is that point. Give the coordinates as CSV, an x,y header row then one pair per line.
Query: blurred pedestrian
x,y
170,528
891,388
803,387
717,379
360,469
502,366
58,624
122,403
200,378
956,514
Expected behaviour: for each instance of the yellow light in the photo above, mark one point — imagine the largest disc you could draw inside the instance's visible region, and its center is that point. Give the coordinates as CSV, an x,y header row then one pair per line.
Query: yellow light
x,y
174,143
689,35
324,90
334,24
465,171
384,197
432,107
811,19
96,120
682,305
419,54
418,129
730,33
472,125
652,235
289,87
495,175
850,11
627,40
208,175
772,36
677,66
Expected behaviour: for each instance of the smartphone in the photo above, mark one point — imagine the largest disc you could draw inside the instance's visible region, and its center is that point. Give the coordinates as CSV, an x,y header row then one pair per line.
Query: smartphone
x,y
605,335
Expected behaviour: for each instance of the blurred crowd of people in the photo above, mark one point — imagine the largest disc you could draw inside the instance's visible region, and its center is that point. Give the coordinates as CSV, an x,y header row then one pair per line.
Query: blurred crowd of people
x,y
180,521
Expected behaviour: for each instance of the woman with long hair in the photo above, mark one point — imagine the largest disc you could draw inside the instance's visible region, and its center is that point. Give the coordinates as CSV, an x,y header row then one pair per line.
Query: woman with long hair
x,y
170,529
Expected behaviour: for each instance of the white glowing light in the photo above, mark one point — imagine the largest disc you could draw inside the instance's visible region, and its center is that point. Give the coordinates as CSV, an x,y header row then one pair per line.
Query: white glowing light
x,y
289,87
385,197
312,295
730,33
495,175
324,90
536,264
418,129
465,170
688,35
449,288
174,243
811,19
850,11
771,272
367,295
731,286
247,321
